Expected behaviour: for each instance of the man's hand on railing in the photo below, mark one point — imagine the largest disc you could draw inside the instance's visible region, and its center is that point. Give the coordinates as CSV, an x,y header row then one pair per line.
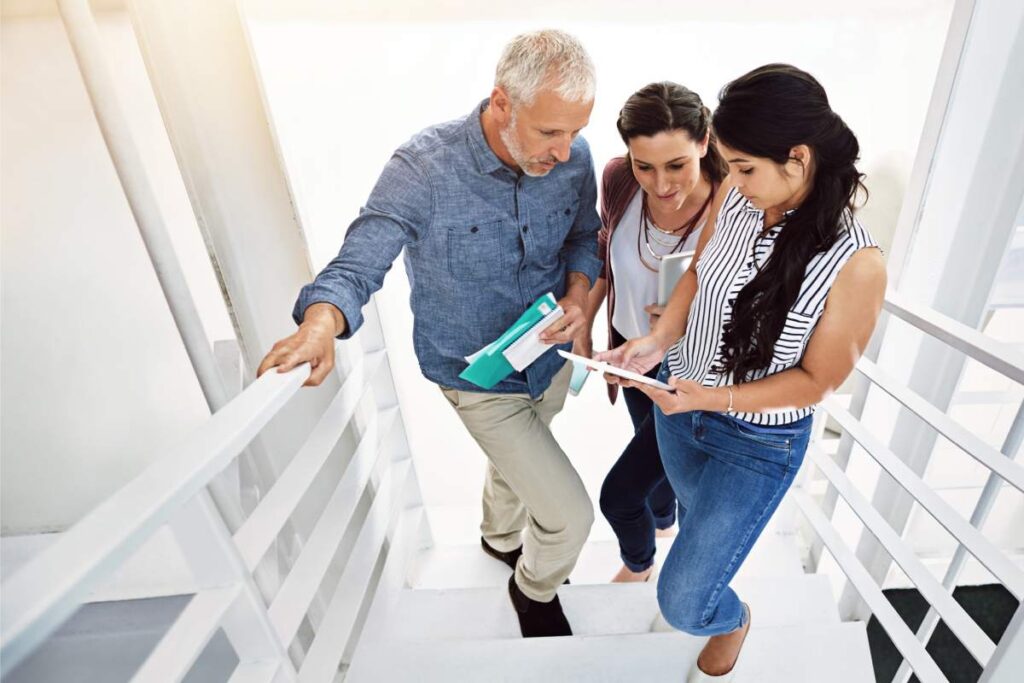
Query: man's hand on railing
x,y
313,342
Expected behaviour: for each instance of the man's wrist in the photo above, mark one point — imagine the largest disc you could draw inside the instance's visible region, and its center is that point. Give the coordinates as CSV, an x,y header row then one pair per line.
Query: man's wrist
x,y
578,289
327,316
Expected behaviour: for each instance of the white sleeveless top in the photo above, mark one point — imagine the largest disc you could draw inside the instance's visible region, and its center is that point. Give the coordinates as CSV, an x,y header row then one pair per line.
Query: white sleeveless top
x,y
729,261
635,285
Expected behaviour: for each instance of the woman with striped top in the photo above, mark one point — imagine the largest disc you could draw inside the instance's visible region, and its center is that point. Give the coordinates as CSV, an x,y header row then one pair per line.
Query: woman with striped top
x,y
774,312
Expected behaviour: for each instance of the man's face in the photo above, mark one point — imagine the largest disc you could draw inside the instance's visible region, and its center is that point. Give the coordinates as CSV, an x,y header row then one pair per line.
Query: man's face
x,y
539,135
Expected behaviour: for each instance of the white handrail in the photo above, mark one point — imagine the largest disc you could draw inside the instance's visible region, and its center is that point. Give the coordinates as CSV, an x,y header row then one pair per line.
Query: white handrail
x,y
987,499
996,562
48,588
988,456
324,655
292,600
974,639
902,637
184,642
405,539
992,353
1001,357
44,592
265,522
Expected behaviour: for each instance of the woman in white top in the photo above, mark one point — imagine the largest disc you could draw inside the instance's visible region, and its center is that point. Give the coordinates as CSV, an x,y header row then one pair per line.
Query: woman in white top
x,y
654,203
773,314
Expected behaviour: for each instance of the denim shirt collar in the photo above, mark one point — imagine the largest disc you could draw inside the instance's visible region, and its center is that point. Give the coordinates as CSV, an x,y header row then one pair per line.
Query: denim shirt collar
x,y
486,160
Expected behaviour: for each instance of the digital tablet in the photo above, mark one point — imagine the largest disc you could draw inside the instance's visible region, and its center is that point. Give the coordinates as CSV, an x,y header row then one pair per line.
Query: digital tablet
x,y
612,370
670,271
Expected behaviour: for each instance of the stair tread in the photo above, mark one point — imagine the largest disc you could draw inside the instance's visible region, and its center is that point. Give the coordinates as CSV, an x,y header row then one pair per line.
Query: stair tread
x,y
466,565
456,524
836,653
483,613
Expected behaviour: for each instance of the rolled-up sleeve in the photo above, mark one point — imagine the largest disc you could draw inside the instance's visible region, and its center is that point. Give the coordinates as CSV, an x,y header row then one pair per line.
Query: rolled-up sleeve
x,y
398,212
581,248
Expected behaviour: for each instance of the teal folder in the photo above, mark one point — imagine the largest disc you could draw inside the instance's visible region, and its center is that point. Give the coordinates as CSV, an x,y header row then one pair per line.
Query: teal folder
x,y
488,366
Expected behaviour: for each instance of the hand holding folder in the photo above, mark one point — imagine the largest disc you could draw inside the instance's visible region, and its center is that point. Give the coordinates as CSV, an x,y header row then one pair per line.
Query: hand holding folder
x,y
517,348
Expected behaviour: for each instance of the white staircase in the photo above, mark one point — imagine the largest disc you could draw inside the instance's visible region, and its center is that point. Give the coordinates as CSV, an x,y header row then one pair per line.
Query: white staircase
x,y
454,621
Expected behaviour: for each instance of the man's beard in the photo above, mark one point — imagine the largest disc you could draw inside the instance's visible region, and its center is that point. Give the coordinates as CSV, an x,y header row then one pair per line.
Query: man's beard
x,y
530,167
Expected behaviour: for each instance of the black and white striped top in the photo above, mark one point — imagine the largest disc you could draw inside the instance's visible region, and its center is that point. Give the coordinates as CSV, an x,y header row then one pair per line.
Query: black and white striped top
x,y
729,261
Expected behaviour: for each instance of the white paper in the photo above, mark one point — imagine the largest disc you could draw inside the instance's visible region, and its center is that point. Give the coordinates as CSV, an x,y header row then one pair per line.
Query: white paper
x,y
528,348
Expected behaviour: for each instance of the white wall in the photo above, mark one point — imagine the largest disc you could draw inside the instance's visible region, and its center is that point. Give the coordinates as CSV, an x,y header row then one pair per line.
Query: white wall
x,y
344,94
95,379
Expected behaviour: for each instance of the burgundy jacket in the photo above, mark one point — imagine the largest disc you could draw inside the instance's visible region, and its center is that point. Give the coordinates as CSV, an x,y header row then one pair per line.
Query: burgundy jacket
x,y
618,187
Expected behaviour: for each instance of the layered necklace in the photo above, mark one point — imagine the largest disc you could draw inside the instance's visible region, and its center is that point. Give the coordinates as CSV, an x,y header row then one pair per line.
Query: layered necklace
x,y
664,241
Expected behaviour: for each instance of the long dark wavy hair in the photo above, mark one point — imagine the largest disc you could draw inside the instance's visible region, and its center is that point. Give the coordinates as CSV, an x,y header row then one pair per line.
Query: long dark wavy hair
x,y
766,113
665,107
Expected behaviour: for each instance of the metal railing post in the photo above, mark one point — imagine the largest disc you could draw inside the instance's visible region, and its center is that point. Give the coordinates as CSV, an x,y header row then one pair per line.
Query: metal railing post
x,y
860,396
214,560
1007,663
99,84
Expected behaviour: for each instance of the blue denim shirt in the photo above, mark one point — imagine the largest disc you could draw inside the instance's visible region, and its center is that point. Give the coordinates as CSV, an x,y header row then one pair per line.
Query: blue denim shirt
x,y
481,244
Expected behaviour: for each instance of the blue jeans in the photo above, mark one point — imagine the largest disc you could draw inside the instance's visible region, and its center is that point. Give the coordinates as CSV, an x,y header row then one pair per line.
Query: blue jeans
x,y
729,477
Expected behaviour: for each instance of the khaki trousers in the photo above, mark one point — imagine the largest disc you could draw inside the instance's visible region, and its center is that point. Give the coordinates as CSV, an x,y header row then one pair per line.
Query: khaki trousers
x,y
532,494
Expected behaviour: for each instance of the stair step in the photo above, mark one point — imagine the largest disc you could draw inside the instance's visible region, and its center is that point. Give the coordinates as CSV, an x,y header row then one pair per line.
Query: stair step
x,y
459,524
836,653
467,566
485,613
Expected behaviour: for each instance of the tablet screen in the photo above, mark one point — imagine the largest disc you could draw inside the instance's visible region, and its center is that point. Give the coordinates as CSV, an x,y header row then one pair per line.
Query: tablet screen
x,y
612,370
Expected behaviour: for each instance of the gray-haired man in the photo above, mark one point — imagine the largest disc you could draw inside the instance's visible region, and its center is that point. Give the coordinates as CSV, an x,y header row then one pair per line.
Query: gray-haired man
x,y
493,210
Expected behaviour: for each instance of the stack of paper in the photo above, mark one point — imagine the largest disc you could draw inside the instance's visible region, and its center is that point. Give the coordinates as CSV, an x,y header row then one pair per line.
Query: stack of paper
x,y
529,347
517,348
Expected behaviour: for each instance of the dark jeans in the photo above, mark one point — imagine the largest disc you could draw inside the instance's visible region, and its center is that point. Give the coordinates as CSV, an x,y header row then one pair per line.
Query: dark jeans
x,y
636,497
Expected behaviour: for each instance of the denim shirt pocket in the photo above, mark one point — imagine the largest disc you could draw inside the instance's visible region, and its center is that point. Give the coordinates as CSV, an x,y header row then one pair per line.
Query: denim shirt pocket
x,y
475,251
559,222
789,346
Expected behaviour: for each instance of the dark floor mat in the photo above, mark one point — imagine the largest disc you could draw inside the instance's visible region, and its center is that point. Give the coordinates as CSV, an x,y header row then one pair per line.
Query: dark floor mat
x,y
991,606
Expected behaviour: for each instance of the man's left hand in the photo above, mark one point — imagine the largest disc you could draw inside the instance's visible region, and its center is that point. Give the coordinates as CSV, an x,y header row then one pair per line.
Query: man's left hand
x,y
573,323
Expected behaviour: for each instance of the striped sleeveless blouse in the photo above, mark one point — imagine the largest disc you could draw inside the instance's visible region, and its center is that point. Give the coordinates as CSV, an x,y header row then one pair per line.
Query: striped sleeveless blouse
x,y
729,261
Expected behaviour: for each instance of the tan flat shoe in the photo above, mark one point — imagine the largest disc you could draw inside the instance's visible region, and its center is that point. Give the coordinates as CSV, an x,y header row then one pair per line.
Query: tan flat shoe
x,y
698,676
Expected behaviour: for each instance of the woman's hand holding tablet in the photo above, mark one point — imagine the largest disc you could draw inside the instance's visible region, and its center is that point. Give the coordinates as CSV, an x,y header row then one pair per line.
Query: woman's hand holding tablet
x,y
601,366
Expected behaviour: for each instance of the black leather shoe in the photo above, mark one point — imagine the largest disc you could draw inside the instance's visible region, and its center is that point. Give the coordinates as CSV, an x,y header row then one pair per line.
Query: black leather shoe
x,y
538,619
510,558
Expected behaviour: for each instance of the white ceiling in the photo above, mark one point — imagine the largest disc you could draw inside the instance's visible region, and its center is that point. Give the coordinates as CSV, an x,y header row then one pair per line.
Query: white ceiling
x,y
533,10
